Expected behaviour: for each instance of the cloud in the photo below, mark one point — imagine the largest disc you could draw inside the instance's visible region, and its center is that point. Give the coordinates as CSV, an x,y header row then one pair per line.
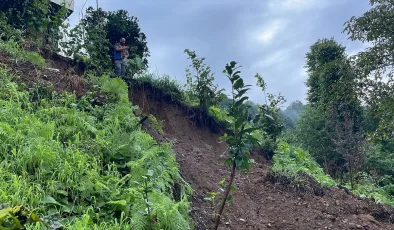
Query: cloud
x,y
299,5
269,31
269,37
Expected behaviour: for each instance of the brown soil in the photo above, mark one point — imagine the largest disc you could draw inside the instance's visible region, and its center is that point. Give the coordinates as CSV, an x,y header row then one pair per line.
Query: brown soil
x,y
262,200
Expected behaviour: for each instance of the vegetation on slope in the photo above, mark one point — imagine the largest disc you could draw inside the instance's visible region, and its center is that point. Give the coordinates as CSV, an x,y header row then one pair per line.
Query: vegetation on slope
x,y
84,166
89,165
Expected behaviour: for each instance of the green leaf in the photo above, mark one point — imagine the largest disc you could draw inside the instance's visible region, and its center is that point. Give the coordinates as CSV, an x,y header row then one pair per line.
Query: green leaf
x,y
229,161
241,93
62,192
118,204
269,116
241,120
50,200
240,101
150,173
239,83
249,130
229,70
34,218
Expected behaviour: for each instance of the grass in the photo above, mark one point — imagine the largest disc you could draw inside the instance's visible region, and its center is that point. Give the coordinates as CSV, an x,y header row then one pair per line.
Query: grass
x,y
164,83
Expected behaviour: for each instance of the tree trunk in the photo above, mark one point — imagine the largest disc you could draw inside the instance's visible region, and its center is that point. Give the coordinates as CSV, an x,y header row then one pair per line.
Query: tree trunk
x,y
226,193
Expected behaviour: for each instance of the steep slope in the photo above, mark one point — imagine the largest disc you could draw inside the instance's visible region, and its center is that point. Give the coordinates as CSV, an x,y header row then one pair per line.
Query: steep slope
x,y
80,164
258,203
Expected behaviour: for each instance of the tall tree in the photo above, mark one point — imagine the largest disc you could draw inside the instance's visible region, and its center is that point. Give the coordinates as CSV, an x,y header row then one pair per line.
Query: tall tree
x,y
332,94
375,64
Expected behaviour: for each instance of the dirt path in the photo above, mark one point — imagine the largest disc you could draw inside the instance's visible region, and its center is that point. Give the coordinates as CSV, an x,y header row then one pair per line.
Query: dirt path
x,y
259,204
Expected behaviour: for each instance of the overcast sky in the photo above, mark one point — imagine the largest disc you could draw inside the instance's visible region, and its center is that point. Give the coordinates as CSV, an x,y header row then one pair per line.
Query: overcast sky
x,y
269,37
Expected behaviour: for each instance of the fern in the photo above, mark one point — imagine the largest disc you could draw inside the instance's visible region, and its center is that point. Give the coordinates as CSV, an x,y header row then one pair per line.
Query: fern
x,y
59,159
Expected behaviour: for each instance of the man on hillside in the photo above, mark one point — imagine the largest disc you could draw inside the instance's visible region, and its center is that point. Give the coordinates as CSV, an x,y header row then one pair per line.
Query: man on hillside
x,y
120,54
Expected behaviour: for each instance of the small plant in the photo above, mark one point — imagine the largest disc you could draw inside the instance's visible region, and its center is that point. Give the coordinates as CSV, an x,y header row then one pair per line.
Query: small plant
x,y
270,121
146,188
156,124
213,196
290,161
17,217
239,148
202,87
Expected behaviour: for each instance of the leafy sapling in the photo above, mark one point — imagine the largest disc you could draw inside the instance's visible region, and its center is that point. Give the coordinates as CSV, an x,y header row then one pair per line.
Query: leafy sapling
x,y
239,148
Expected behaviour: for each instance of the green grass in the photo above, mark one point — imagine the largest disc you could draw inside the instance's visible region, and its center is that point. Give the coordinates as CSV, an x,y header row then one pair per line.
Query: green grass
x,y
164,83
83,166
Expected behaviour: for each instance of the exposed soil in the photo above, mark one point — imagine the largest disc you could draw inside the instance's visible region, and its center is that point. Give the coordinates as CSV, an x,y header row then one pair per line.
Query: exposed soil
x,y
262,200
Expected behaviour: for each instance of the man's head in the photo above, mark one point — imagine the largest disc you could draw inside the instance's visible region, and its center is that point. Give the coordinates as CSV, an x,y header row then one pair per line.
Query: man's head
x,y
122,41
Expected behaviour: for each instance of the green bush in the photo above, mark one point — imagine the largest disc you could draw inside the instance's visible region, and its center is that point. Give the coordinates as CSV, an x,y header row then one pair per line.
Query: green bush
x,y
368,187
291,160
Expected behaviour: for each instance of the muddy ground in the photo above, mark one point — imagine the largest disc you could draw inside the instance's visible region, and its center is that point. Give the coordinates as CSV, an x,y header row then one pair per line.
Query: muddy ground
x,y
259,203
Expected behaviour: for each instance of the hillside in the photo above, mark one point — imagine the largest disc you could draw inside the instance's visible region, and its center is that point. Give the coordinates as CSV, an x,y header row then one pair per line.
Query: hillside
x,y
262,201
74,155
94,140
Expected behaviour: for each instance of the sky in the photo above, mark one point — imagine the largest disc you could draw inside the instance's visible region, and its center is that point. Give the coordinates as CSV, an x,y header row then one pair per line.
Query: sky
x,y
269,37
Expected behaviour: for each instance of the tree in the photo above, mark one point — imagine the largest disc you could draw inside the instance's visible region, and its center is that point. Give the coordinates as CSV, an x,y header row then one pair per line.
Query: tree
x,y
99,30
332,94
313,135
375,64
38,20
348,140
119,24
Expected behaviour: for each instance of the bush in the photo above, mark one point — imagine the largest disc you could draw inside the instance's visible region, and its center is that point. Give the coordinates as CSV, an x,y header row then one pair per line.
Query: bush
x,y
291,160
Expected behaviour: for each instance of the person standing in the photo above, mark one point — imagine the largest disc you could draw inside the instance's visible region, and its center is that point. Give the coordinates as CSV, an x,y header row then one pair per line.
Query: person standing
x,y
120,54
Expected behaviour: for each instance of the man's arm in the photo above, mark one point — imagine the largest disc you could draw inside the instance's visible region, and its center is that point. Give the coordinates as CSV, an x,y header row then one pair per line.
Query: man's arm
x,y
118,48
